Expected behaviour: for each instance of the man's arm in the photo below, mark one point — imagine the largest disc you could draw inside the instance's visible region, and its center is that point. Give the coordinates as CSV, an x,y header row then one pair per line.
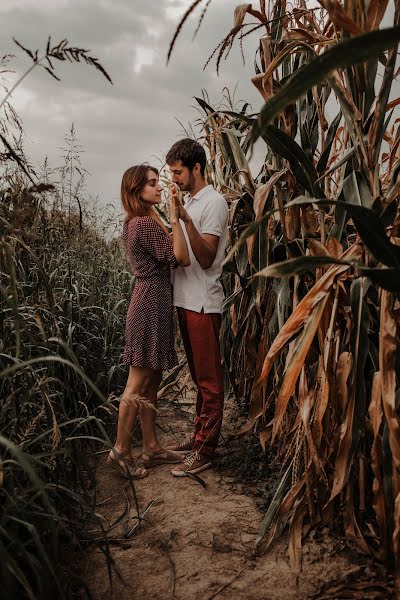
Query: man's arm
x,y
204,245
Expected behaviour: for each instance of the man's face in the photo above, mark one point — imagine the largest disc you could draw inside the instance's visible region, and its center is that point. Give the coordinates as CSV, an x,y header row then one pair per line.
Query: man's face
x,y
182,176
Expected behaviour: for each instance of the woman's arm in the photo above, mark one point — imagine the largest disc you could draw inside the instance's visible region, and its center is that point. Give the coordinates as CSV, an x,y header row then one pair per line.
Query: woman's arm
x,y
181,251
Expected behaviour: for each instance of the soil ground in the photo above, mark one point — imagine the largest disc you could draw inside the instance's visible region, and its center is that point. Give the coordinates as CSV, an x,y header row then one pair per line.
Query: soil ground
x,y
197,542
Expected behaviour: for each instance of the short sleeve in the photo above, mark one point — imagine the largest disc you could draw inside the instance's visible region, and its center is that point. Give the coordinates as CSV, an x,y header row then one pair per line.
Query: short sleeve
x,y
214,219
156,242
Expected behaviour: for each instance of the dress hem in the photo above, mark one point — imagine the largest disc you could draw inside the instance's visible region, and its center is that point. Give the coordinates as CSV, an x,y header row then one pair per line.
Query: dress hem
x,y
160,364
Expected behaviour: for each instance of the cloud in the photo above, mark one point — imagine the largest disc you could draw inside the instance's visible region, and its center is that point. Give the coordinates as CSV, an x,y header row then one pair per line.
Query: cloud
x,y
135,119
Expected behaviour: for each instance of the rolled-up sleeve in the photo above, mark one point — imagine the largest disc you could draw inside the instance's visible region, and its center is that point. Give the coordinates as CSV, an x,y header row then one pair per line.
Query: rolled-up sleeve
x,y
215,218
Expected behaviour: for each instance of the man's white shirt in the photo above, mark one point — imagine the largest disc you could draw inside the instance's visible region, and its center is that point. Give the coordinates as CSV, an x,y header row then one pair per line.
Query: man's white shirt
x,y
195,288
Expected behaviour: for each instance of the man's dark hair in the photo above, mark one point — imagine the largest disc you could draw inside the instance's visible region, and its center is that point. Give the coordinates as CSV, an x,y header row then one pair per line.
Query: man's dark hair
x,y
189,152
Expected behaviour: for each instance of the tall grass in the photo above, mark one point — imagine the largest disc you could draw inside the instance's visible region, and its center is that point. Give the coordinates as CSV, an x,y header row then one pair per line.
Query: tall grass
x,y
63,289
63,303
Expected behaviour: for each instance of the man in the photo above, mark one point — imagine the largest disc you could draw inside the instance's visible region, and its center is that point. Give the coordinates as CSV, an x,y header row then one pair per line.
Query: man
x,y
198,296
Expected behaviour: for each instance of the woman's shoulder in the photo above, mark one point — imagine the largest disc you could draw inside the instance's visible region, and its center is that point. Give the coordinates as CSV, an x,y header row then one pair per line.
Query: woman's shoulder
x,y
132,227
141,219
142,226
138,221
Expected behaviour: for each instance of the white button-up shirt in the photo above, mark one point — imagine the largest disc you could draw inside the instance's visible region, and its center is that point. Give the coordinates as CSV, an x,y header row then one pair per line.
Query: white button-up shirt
x,y
195,288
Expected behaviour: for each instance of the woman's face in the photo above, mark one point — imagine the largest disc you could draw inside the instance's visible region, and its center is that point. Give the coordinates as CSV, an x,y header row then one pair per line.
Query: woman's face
x,y
151,193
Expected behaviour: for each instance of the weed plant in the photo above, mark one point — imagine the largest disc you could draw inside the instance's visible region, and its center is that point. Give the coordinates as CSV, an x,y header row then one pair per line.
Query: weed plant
x,y
64,289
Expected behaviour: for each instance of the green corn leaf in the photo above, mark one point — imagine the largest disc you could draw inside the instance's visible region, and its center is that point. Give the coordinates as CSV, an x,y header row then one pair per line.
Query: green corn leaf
x,y
388,279
300,264
355,190
323,159
370,227
302,167
205,106
274,505
349,52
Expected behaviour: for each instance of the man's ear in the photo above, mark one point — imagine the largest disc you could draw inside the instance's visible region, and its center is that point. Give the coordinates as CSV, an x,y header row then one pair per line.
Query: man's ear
x,y
197,169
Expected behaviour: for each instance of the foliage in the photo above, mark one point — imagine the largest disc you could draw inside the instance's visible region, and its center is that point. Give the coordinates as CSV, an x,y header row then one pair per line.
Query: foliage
x,y
63,298
312,276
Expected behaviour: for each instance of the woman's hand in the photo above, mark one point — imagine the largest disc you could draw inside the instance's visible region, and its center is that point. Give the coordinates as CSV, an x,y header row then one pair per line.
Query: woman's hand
x,y
177,210
174,204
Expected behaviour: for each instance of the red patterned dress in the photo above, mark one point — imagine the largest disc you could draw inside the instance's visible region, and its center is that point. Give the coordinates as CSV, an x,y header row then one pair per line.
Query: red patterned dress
x,y
149,336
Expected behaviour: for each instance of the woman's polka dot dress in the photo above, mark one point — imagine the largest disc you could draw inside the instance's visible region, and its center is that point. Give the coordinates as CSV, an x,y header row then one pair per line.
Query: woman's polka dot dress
x,y
149,336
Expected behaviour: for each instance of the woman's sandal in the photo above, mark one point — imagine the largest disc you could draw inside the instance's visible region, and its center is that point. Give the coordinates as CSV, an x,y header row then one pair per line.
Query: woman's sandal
x,y
125,465
161,457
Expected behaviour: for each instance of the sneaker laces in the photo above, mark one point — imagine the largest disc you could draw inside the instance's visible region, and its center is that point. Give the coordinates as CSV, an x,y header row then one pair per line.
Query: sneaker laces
x,y
191,458
189,441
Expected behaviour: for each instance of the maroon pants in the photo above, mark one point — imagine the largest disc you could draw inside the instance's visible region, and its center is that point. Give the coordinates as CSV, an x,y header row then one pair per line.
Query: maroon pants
x,y
200,336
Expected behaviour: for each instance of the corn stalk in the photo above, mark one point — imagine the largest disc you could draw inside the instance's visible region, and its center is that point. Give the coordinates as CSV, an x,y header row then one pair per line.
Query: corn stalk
x,y
313,273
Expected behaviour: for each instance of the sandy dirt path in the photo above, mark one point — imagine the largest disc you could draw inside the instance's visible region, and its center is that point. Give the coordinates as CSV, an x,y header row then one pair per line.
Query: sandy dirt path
x,y
197,543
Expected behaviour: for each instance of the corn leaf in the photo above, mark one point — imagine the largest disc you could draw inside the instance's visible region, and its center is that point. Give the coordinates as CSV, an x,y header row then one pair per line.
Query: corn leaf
x,y
344,54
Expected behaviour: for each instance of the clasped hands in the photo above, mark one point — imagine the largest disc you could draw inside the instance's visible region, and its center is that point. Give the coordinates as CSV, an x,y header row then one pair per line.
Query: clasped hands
x,y
176,208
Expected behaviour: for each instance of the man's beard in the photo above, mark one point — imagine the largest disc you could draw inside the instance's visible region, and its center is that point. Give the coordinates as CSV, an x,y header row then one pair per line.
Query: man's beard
x,y
190,184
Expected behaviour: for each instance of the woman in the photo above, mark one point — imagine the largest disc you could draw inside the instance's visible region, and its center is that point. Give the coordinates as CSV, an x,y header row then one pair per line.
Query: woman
x,y
149,339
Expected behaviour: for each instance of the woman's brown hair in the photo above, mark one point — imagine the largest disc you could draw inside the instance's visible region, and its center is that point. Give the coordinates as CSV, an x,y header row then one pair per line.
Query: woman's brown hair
x,y
133,181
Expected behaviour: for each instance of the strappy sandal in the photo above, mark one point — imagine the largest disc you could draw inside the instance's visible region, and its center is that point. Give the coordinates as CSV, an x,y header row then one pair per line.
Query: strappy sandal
x,y
161,457
125,465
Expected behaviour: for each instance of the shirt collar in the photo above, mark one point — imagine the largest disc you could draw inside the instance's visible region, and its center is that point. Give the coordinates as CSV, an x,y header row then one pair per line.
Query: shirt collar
x,y
201,193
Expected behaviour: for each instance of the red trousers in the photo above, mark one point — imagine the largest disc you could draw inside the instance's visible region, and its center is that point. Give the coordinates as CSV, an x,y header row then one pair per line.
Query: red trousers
x,y
200,336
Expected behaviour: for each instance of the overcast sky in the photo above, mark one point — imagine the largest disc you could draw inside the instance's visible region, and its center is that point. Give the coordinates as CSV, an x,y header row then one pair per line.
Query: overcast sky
x,y
135,119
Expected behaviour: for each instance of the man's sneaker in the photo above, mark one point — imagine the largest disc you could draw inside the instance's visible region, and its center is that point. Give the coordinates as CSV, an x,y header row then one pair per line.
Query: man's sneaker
x,y
185,448
193,464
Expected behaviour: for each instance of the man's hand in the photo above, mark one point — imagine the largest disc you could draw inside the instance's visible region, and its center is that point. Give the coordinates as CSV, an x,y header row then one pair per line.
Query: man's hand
x,y
204,246
176,198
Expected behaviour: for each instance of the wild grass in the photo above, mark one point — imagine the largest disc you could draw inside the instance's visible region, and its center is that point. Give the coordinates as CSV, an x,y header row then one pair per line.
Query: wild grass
x,y
63,300
64,290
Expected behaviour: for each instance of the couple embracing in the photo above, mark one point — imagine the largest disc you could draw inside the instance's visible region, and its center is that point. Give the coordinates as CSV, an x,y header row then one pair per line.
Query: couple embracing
x,y
194,254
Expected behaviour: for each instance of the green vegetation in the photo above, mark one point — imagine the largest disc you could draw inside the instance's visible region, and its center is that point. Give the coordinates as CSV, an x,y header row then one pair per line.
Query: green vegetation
x,y
310,339
63,302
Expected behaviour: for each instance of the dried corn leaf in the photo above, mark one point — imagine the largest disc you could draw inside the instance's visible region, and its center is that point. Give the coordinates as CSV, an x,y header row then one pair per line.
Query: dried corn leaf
x,y
305,407
340,17
295,536
351,526
378,502
295,322
387,364
240,13
375,14
343,370
263,81
300,351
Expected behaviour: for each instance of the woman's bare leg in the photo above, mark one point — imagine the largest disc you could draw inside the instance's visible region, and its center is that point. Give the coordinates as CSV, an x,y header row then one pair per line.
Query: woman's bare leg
x,y
144,383
148,415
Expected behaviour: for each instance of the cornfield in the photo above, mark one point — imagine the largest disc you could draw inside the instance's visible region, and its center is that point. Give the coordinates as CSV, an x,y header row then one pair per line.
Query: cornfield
x,y
312,276
312,281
